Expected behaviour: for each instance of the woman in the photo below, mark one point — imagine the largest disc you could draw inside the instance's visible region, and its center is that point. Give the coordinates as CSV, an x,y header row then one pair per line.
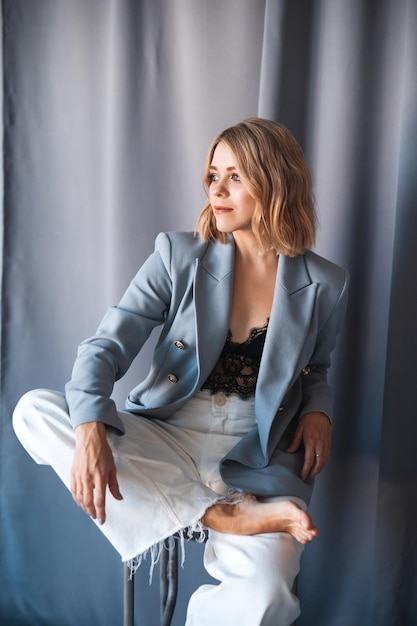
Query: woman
x,y
232,423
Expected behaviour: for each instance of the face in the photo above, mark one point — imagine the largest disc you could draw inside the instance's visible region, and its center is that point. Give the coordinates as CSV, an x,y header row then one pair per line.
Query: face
x,y
233,206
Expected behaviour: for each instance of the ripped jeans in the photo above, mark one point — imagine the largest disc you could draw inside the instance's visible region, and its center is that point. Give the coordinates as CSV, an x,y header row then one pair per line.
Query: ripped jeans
x,y
168,475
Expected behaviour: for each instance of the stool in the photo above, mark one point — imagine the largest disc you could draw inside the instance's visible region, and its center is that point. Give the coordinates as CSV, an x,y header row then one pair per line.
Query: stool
x,y
168,581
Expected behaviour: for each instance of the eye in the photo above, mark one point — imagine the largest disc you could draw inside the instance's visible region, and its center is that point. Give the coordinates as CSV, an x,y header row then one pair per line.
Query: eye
x,y
236,177
212,177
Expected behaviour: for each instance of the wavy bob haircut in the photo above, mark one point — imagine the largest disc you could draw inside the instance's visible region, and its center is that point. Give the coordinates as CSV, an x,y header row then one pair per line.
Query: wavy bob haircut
x,y
273,168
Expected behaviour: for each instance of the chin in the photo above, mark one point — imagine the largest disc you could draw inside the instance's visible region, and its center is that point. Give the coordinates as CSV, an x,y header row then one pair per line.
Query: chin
x,y
222,229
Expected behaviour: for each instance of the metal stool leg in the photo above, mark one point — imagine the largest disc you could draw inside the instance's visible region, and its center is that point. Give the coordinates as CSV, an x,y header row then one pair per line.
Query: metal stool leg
x,y
168,568
128,596
168,565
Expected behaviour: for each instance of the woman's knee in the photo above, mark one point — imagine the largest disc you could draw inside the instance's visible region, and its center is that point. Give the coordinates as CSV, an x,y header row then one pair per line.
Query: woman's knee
x,y
31,405
32,413
24,411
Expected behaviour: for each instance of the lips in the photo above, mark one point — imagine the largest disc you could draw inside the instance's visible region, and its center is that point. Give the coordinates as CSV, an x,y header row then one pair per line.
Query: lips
x,y
220,210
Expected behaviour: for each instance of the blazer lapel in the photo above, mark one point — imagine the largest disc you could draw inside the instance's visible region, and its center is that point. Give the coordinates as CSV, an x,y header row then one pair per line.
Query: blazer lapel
x,y
288,327
213,286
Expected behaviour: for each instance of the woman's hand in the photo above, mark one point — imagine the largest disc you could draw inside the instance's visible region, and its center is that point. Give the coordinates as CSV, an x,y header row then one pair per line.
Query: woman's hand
x,y
92,470
314,431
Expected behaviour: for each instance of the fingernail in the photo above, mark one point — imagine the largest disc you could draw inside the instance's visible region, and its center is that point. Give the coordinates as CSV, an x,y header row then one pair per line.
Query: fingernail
x,y
100,521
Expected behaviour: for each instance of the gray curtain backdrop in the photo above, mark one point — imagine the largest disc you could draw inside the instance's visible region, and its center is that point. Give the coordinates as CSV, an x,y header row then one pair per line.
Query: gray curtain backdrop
x,y
109,107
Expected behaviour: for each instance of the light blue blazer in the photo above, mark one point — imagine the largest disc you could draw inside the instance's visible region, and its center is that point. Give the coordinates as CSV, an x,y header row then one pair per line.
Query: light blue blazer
x,y
185,287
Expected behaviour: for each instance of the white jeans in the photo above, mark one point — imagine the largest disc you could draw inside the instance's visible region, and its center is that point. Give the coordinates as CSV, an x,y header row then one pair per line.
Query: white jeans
x,y
168,473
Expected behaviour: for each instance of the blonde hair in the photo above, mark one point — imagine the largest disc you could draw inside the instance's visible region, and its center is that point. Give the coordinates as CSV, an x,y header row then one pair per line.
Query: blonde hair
x,y
273,168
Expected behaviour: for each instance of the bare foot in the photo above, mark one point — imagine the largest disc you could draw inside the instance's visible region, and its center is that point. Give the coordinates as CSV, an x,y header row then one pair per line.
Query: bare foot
x,y
251,517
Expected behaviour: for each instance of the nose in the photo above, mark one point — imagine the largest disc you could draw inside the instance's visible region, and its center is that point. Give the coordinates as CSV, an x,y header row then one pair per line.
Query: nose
x,y
218,188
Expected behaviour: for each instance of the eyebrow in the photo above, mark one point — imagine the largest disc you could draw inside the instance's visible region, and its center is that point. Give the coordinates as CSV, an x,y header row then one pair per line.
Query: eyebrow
x,y
228,169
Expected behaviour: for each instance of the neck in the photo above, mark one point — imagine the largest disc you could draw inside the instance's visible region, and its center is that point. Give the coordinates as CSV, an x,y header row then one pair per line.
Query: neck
x,y
247,249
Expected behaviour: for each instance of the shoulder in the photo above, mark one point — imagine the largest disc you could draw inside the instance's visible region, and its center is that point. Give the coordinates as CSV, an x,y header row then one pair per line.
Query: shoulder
x,y
332,282
180,248
325,272
186,243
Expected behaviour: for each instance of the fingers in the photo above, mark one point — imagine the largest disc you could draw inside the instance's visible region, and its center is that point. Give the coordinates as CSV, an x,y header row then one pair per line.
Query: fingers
x,y
93,470
314,462
94,503
114,486
90,495
314,432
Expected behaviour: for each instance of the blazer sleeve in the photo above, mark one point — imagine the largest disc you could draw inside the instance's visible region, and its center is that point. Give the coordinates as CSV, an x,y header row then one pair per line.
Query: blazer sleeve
x,y
105,357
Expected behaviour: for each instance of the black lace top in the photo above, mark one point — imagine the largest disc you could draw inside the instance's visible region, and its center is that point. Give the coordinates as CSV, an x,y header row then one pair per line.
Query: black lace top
x,y
237,369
